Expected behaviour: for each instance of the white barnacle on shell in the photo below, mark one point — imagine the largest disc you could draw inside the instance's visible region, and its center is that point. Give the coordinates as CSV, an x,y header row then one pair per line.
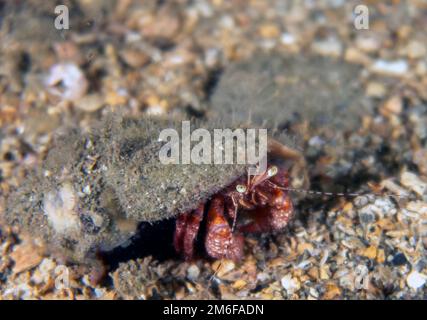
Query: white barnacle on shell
x,y
60,209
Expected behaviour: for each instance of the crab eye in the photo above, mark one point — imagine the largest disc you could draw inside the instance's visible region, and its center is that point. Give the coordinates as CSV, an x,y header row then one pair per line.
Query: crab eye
x,y
241,188
272,171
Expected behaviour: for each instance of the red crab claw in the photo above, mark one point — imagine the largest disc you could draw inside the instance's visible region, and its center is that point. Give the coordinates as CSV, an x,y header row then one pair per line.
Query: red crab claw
x,y
186,230
220,241
270,218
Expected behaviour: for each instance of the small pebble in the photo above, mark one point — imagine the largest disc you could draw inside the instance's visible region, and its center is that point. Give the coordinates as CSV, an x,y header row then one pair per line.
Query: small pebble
x,y
290,284
90,103
134,58
413,182
370,252
368,43
416,280
393,105
193,272
395,68
269,31
26,256
222,267
367,216
330,47
332,291
287,39
376,89
399,259
356,56
415,50
419,159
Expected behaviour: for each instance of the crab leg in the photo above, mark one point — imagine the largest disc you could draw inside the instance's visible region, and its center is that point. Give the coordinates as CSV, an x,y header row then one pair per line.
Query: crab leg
x,y
187,228
220,241
178,237
270,218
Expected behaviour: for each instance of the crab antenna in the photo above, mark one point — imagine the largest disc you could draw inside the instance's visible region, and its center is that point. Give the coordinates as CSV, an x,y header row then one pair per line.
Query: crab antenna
x,y
341,194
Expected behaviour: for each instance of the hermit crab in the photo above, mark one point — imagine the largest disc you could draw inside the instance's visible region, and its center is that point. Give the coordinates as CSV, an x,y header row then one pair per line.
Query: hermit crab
x,y
263,198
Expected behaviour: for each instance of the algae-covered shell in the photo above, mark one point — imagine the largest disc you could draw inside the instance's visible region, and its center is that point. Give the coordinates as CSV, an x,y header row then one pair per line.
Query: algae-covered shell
x,y
95,188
